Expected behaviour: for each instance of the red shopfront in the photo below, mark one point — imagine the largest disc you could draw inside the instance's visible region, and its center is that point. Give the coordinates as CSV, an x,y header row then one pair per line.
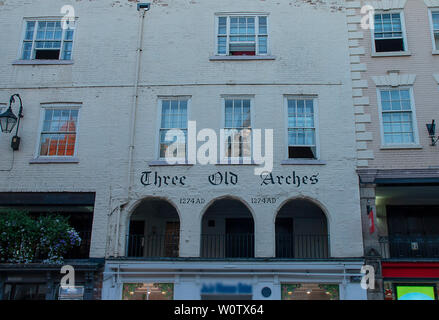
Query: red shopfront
x,y
411,280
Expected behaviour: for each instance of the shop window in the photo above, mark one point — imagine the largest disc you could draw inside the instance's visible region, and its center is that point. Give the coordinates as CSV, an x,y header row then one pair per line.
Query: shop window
x,y
46,40
59,131
301,129
25,291
242,35
415,292
309,291
388,33
148,291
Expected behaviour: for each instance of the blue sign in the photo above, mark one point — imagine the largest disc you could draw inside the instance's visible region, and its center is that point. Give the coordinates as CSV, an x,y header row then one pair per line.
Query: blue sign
x,y
240,288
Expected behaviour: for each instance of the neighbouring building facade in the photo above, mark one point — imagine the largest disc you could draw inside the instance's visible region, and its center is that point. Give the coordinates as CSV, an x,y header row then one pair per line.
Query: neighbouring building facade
x,y
396,67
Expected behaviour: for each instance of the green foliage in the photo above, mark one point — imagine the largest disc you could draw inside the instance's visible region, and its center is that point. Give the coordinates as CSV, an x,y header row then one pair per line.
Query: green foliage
x,y
24,239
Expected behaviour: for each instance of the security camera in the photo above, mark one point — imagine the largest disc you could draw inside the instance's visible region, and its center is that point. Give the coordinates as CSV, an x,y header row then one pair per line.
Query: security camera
x,y
144,6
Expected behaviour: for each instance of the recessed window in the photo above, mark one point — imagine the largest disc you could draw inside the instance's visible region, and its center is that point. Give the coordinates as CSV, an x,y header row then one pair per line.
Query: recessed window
x,y
389,33
46,40
242,35
237,128
301,129
173,128
397,117
435,26
59,130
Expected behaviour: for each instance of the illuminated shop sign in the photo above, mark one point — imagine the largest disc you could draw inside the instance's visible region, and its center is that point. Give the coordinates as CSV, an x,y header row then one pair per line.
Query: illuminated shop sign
x,y
415,293
150,178
220,288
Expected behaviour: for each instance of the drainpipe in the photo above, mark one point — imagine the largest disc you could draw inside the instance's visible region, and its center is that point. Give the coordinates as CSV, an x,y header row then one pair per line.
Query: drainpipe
x,y
142,8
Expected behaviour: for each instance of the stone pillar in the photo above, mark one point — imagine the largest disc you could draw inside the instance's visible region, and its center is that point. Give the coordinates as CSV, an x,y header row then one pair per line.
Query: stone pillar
x,y
372,250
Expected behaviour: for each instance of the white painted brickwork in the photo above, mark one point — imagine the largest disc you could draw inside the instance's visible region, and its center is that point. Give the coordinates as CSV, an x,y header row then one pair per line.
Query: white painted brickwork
x,y
311,48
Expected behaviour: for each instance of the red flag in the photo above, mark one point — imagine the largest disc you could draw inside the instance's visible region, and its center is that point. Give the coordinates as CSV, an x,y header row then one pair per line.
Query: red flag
x,y
371,219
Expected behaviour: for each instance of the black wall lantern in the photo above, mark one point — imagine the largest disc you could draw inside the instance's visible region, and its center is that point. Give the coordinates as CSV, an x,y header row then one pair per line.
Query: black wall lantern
x,y
431,127
8,120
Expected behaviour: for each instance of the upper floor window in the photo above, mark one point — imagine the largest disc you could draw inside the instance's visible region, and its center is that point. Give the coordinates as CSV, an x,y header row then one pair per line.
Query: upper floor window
x,y
398,120
435,27
301,129
173,128
242,35
237,128
46,40
59,130
389,33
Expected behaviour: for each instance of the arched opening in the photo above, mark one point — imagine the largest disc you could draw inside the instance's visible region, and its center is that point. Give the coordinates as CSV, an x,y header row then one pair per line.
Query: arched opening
x,y
227,230
154,230
301,231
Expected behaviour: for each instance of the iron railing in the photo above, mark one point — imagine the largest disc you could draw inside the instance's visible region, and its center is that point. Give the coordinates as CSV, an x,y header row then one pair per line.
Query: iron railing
x,y
222,246
409,247
303,246
227,245
153,245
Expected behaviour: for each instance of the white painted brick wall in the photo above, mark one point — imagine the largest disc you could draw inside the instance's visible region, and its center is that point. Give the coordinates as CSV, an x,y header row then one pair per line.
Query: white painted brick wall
x,y
311,48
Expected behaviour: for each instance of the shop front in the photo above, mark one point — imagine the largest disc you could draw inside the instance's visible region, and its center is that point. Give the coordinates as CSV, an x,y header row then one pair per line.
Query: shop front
x,y
406,232
258,279
39,279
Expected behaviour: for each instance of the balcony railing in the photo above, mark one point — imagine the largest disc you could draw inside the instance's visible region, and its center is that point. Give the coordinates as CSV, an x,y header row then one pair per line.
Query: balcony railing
x,y
227,245
222,246
153,245
291,246
409,247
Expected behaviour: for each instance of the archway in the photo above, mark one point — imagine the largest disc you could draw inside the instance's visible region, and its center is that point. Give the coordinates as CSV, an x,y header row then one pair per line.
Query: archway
x,y
227,230
301,231
154,230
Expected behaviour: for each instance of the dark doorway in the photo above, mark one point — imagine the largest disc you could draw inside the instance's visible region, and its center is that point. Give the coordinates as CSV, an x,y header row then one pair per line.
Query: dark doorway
x,y
413,231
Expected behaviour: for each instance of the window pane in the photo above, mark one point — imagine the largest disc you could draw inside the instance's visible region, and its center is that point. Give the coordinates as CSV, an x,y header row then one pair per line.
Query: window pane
x,y
262,25
27,51
222,45
263,44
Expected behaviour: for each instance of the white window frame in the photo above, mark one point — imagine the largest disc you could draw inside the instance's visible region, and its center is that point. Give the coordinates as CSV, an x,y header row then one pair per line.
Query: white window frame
x,y
316,124
159,125
3,108
241,14
432,11
414,118
403,30
57,106
49,19
236,160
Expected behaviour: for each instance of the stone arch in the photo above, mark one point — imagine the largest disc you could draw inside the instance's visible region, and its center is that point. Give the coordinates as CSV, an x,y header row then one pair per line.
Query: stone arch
x,y
301,229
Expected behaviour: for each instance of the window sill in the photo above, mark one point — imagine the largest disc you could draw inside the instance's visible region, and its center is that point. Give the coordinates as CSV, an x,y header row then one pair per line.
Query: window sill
x,y
392,54
163,163
54,160
290,162
402,146
241,58
435,52
42,62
